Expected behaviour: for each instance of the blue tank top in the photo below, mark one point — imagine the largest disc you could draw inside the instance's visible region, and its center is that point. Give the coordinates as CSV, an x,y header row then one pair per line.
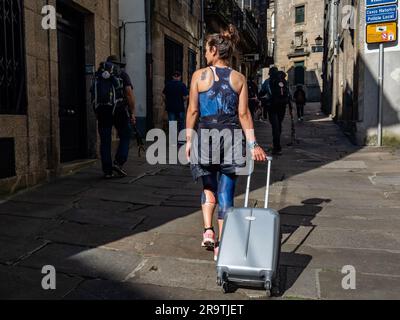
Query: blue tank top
x,y
220,103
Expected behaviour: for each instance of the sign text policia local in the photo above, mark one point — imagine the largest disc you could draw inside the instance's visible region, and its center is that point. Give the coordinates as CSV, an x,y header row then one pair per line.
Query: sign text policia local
x,y
381,19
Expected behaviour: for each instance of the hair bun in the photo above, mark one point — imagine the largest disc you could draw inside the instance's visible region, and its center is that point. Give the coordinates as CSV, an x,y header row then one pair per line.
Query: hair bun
x,y
231,34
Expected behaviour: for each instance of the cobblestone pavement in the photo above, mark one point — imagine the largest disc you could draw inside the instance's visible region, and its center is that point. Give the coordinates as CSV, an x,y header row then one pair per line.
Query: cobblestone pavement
x,y
139,237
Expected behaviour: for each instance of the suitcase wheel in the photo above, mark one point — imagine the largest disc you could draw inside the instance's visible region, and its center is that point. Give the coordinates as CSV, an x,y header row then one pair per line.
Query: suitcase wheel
x,y
227,287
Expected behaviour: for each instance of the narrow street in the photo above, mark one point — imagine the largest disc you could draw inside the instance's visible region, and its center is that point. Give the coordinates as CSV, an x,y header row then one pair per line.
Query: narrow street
x,y
139,237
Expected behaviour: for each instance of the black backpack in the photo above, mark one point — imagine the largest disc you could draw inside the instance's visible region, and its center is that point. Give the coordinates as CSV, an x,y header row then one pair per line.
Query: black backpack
x,y
107,88
280,91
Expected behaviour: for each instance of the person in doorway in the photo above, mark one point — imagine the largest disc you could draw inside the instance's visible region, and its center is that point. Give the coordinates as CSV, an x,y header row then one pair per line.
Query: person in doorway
x,y
114,104
276,113
219,100
175,95
300,100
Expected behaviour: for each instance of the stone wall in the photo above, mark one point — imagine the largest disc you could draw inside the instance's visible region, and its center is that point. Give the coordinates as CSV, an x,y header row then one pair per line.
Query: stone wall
x,y
36,134
173,19
285,30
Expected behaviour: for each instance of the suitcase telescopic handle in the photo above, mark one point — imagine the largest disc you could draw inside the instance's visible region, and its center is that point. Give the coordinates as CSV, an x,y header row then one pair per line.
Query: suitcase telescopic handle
x,y
246,205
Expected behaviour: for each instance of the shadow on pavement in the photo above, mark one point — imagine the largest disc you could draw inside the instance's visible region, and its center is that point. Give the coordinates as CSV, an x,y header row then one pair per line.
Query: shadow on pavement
x,y
144,231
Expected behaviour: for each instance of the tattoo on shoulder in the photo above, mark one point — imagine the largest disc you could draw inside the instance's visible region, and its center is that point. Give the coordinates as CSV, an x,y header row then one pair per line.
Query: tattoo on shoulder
x,y
204,75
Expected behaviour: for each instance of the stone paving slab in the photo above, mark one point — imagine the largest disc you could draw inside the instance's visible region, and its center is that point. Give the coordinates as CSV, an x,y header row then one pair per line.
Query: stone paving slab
x,y
61,189
302,284
179,246
34,210
25,228
111,290
342,222
182,201
26,284
96,263
377,166
360,210
87,203
178,273
137,243
123,220
368,287
346,238
45,198
386,179
158,182
85,234
170,219
12,249
364,260
348,164
133,194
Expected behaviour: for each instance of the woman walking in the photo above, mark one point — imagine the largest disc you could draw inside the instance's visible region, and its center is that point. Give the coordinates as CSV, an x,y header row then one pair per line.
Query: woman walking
x,y
219,100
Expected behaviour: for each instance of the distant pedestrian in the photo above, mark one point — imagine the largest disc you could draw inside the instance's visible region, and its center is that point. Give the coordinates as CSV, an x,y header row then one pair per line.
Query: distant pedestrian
x,y
175,95
300,99
265,94
253,97
276,113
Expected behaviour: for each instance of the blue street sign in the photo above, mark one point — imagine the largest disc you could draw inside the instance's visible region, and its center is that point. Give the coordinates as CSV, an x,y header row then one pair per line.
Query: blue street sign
x,y
370,3
381,14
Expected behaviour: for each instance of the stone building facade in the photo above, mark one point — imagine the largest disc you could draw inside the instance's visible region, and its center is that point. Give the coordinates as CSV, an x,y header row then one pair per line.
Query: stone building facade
x,y
175,41
351,76
46,120
297,42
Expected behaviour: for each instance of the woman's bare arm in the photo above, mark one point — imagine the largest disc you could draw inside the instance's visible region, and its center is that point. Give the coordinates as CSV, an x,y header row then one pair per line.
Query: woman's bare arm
x,y
246,121
193,109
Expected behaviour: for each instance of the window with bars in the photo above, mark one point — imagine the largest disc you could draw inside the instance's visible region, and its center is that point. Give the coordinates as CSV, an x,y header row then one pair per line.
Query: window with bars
x,y
191,7
300,14
7,158
12,58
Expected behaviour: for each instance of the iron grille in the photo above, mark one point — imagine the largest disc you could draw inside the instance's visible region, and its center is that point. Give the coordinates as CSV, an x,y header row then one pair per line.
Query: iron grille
x,y
7,158
12,58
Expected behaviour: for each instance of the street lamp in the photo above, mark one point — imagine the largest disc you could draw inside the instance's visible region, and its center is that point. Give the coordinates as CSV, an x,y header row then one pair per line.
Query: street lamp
x,y
319,41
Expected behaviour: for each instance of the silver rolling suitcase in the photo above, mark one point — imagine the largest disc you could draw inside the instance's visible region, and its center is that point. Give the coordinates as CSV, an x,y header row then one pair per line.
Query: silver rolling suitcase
x,y
250,246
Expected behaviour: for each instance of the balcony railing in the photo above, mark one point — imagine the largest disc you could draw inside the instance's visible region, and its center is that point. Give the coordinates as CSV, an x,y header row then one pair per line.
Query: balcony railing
x,y
299,52
250,26
228,11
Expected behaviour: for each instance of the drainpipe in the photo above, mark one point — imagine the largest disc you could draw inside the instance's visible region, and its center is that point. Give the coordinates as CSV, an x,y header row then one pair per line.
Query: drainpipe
x,y
149,64
50,157
201,46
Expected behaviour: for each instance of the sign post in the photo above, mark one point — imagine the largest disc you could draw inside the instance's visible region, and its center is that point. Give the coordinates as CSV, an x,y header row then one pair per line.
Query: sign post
x,y
381,26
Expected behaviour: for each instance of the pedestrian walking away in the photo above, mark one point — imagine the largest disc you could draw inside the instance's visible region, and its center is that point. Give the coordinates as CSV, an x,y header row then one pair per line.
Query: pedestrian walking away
x,y
300,99
219,100
265,94
175,94
114,105
277,111
253,98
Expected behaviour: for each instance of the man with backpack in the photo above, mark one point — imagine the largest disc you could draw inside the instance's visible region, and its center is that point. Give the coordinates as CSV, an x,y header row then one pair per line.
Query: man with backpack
x,y
280,99
114,105
300,99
